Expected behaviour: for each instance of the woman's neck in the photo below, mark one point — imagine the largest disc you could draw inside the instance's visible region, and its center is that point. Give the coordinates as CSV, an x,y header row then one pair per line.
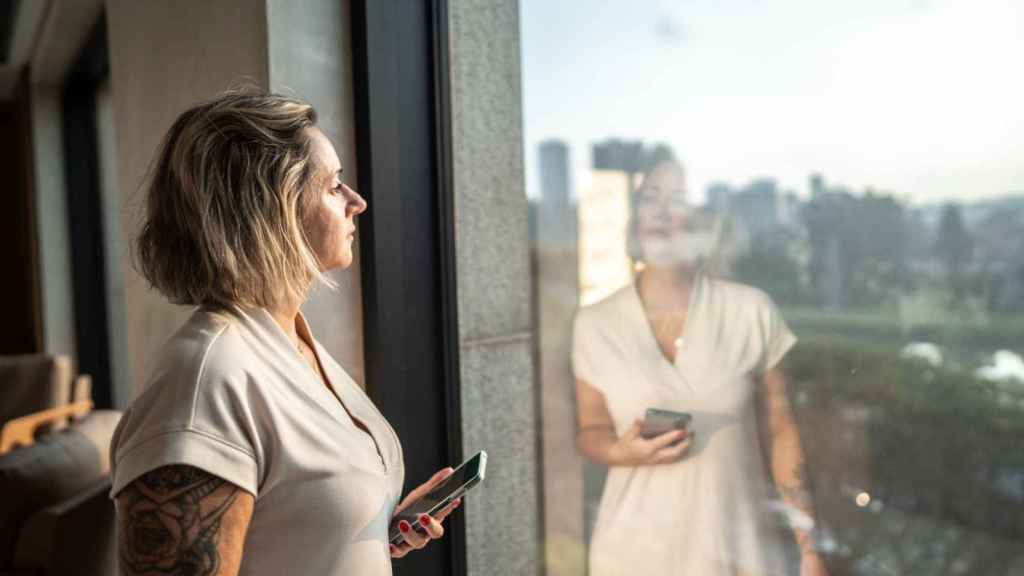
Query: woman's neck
x,y
664,287
286,315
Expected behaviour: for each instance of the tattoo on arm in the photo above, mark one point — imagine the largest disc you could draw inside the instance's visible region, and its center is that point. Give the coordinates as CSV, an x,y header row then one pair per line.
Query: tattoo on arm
x,y
797,497
797,494
170,522
794,489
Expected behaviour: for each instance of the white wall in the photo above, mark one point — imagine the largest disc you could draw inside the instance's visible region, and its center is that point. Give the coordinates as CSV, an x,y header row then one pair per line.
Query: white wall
x,y
164,57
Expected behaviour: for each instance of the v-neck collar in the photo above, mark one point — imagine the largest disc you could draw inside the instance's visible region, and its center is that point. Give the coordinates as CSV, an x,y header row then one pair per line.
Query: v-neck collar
x,y
685,331
333,397
329,399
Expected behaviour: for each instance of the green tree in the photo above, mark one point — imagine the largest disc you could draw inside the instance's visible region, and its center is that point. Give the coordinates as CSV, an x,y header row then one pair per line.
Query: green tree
x,y
771,265
858,248
954,247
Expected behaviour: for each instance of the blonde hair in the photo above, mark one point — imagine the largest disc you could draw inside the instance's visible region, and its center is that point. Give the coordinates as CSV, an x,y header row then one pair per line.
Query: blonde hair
x,y
226,202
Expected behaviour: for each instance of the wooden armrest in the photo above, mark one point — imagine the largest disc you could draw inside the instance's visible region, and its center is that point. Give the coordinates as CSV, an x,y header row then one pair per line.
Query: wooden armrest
x,y
81,389
21,431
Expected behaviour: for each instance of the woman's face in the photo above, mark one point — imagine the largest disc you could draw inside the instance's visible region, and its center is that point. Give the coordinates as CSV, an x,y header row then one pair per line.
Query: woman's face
x,y
669,229
331,227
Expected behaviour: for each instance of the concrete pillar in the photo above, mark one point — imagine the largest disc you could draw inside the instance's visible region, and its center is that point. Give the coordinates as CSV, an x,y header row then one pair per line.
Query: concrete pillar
x,y
499,400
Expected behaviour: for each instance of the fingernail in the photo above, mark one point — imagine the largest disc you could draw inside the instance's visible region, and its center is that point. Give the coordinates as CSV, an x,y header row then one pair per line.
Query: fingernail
x,y
458,503
394,548
404,526
425,520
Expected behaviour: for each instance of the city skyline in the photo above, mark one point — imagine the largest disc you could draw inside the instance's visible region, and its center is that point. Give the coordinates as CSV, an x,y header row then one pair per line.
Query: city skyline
x,y
873,95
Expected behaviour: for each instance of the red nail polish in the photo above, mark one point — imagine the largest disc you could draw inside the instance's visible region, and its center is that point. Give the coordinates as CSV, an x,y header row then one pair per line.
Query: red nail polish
x,y
425,520
404,526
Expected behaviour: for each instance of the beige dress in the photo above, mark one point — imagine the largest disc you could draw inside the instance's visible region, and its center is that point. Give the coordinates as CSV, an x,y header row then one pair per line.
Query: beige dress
x,y
708,514
231,395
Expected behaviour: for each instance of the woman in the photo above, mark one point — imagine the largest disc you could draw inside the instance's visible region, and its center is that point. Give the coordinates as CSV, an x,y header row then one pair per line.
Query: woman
x,y
686,502
251,451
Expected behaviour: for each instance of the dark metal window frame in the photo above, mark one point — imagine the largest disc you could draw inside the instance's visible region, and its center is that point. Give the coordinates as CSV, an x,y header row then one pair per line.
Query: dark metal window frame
x,y
85,211
407,243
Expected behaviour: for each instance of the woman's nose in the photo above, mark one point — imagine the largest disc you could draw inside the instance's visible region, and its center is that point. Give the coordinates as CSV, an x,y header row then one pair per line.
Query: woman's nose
x,y
358,204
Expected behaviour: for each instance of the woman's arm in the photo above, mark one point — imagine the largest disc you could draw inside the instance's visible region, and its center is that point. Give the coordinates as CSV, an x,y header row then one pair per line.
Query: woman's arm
x,y
782,440
181,520
596,438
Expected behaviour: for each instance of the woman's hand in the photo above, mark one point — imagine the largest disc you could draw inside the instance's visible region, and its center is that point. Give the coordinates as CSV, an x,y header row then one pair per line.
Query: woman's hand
x,y
432,529
811,564
631,449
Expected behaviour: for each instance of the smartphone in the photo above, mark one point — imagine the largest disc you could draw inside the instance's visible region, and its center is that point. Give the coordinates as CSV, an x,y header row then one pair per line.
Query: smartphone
x,y
466,476
657,422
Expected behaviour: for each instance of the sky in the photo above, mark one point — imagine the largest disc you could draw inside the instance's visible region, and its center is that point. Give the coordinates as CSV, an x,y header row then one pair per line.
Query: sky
x,y
920,98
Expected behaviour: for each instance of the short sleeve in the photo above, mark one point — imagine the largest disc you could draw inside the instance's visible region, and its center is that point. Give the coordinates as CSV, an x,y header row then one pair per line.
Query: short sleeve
x,y
583,349
208,424
777,338
190,447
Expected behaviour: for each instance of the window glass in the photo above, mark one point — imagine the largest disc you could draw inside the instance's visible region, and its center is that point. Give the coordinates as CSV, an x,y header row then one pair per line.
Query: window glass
x,y
799,224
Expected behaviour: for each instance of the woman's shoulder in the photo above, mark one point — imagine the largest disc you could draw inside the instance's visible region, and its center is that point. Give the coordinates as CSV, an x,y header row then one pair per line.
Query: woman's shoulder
x,y
208,347
202,365
195,407
609,305
739,295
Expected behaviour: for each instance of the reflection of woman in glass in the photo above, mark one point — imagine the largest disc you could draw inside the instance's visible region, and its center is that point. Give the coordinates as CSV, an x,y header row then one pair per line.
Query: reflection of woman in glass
x,y
676,339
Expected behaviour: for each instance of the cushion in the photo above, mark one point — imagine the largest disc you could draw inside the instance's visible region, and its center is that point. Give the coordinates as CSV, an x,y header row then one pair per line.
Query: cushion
x,y
33,383
58,466
75,536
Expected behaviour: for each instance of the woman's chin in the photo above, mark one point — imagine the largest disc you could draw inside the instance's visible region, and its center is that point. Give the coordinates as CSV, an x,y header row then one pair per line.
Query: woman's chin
x,y
345,260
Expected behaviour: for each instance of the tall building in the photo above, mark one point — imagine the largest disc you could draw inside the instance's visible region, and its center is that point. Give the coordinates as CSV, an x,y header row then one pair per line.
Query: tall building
x,y
554,171
718,195
755,207
817,184
604,264
556,211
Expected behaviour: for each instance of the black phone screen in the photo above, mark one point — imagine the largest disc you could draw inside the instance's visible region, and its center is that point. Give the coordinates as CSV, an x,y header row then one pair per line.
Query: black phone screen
x,y
463,478
460,477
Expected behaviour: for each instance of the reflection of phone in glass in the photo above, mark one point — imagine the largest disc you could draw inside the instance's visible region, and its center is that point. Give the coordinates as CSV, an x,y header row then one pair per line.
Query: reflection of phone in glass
x,y
466,476
657,422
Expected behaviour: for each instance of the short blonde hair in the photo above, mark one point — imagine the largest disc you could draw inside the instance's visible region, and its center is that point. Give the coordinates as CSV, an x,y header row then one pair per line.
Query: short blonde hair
x,y
226,202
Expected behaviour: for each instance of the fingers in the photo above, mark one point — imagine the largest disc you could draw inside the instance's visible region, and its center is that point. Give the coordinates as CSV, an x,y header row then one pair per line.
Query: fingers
x,y
634,431
411,536
673,453
667,439
438,477
432,527
440,516
428,528
400,550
